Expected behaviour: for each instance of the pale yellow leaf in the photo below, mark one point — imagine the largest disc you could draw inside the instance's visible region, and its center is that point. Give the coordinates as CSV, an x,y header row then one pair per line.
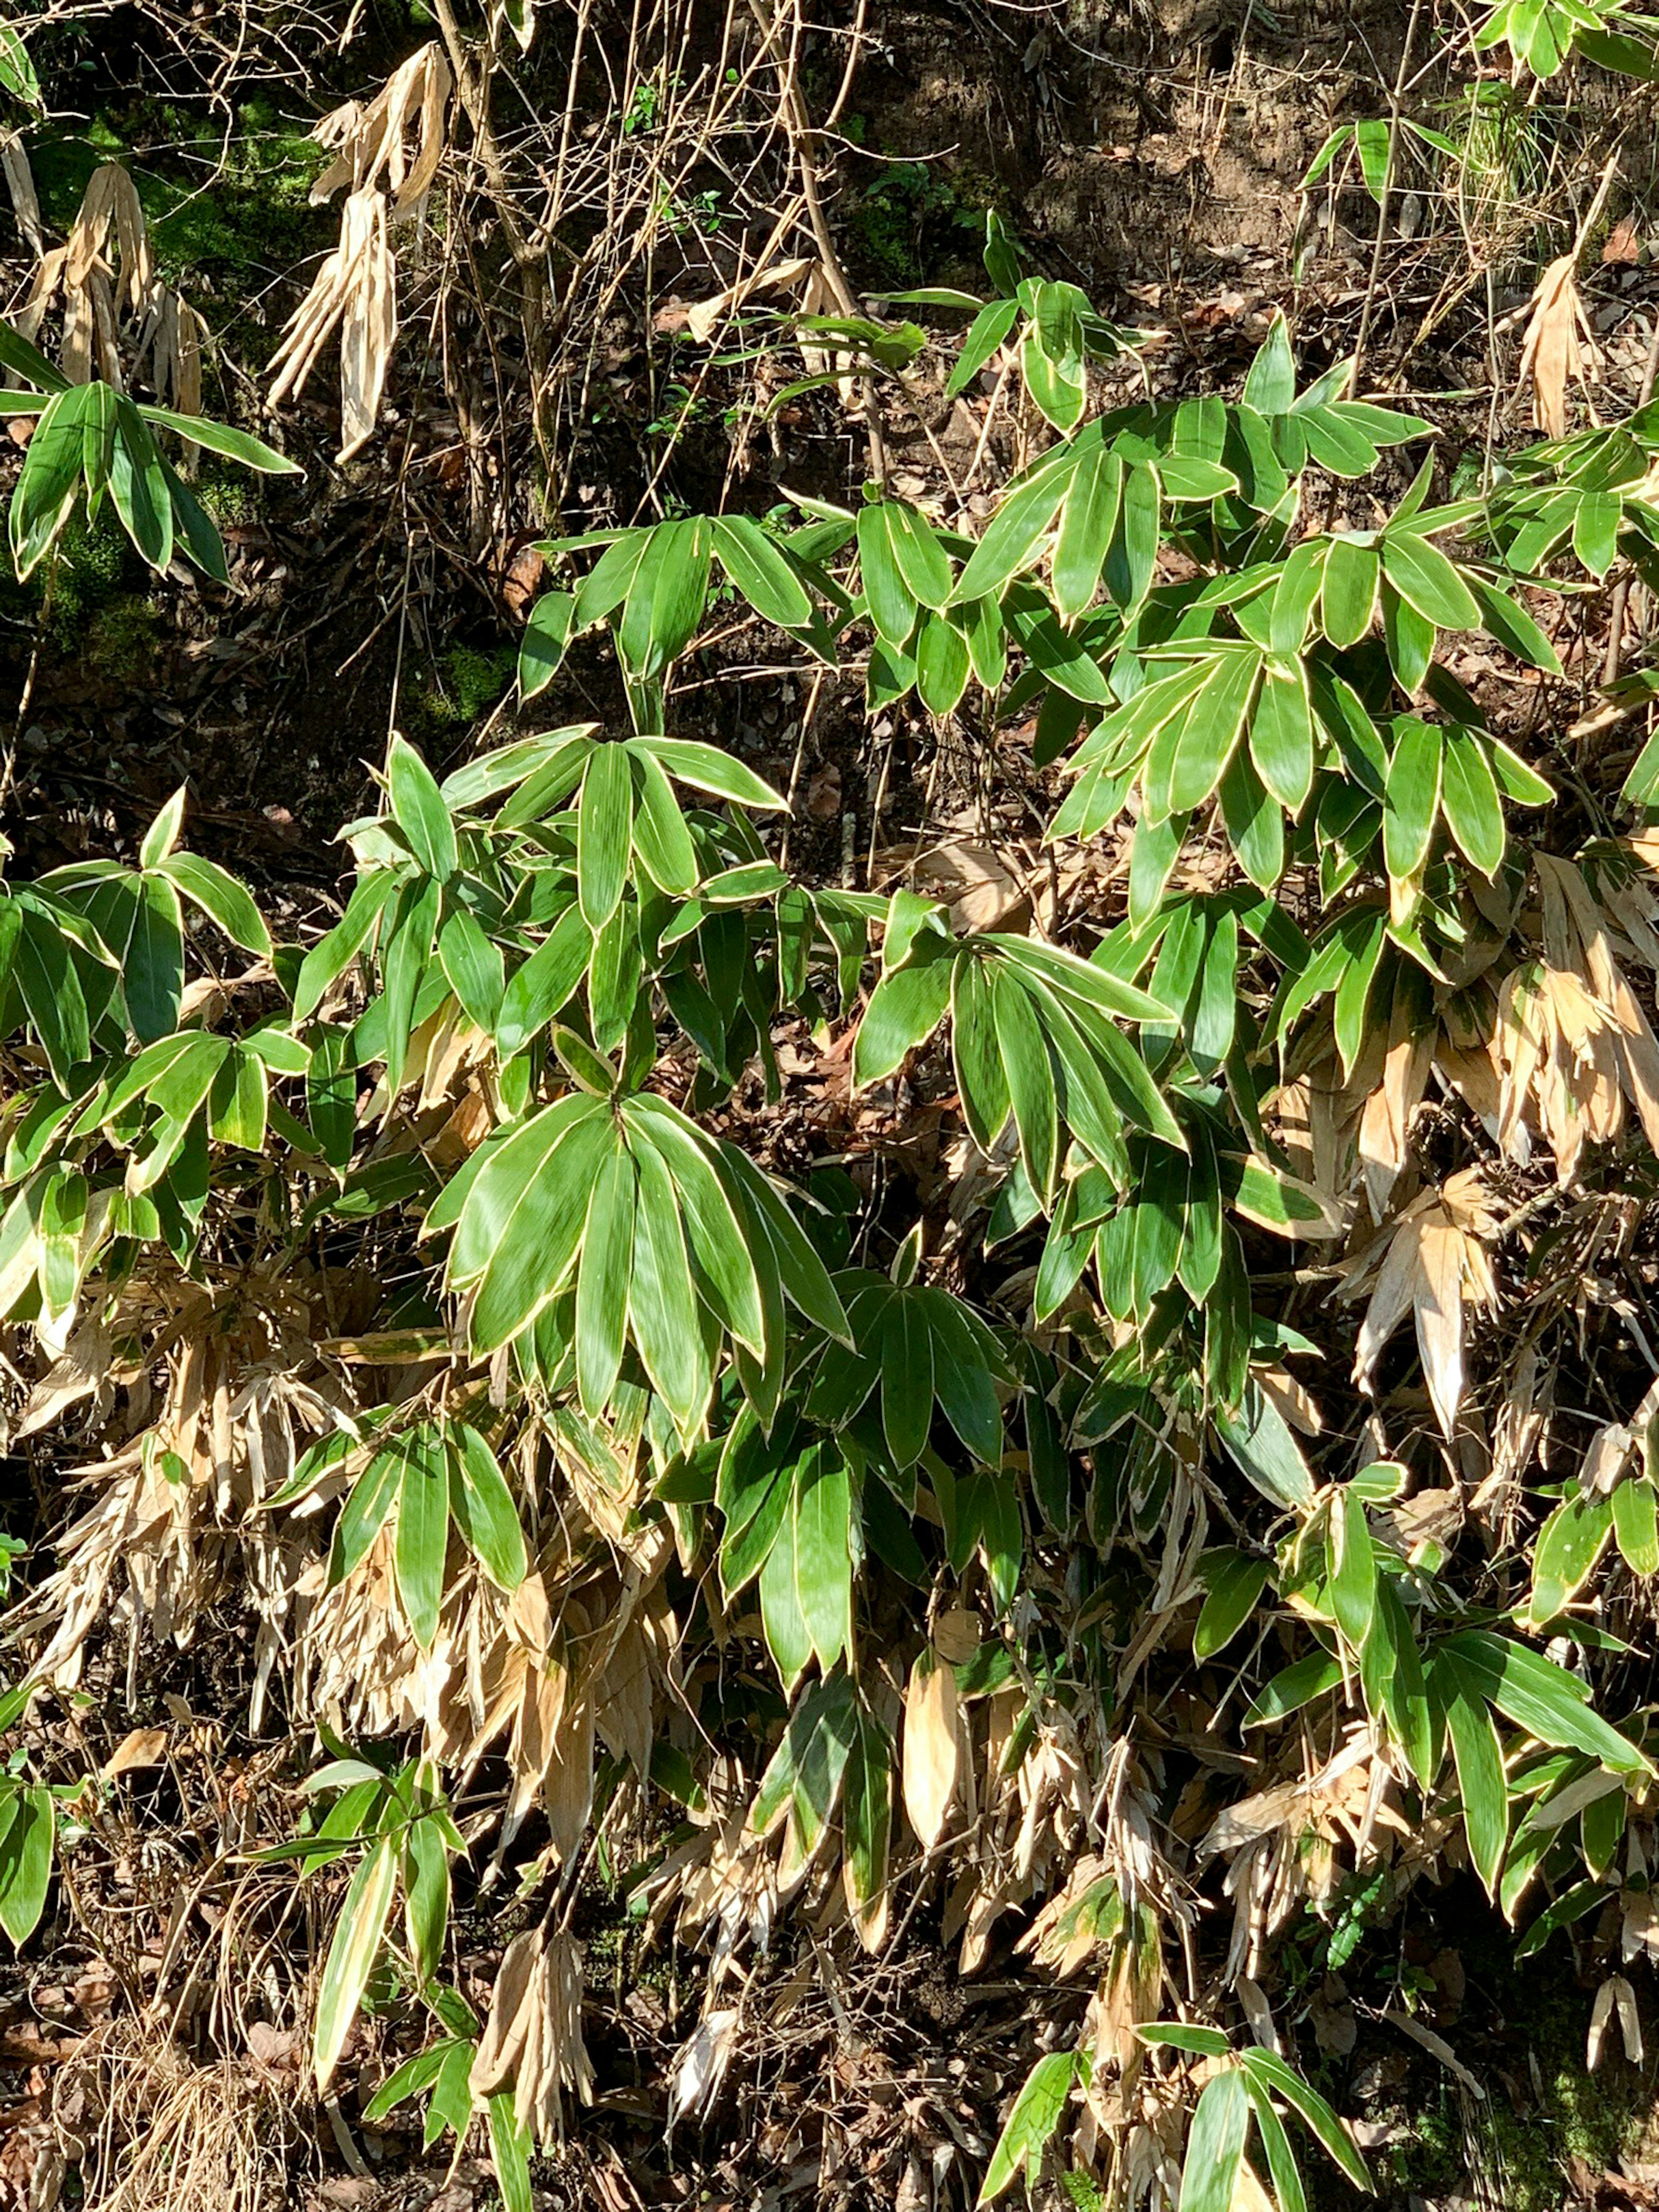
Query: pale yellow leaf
x,y
932,1747
142,1747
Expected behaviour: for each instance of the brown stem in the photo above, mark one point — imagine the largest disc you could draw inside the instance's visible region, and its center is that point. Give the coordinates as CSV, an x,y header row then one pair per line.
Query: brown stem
x,y
798,125
529,252
1621,590
1395,101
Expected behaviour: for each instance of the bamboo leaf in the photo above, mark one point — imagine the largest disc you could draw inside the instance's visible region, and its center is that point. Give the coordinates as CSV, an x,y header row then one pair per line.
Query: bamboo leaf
x,y
351,1955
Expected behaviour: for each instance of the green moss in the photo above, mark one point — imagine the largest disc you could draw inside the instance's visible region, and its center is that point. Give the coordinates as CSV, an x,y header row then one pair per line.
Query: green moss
x,y
229,496
913,219
1515,2157
88,577
122,637
219,206
466,682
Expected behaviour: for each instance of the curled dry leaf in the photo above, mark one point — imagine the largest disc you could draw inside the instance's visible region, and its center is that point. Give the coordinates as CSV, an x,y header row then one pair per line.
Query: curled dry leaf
x,y
1622,247
1573,1044
20,183
354,291
1385,1120
932,1747
141,1747
703,320
700,2067
1430,1263
1559,345
114,302
1615,2000
369,143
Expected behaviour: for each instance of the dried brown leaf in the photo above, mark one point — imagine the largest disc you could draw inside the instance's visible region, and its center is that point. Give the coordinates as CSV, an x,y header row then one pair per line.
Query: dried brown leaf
x,y
1559,345
932,1747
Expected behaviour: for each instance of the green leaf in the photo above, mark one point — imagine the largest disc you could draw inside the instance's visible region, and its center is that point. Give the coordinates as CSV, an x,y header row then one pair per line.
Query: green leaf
x,y
1410,640
138,486
1270,385
1348,597
748,1541
1353,1568
699,1167
1014,533
1132,556
892,604
222,898
472,964
1272,2074
50,477
223,438
705,767
1321,161
867,1824
509,2152
788,1638
1292,1687
408,2079
1259,1438
942,664
546,982
1029,1075
804,1277
987,332
822,1552
363,1515
1412,798
666,596
1234,1581
1301,579
423,1537
1183,2035
1036,2112
1504,618
758,568
1191,751
1568,1545
1051,357
522,1213
546,636
1427,581
1538,1695
1215,2144
662,1300
17,74
426,1895
162,834
26,1850
604,824
906,1006
920,557
602,1281
1470,802
1479,1756
1087,523
1515,778
483,1510
1086,983
1282,735
27,362
907,1379
1282,2168
1636,1524
351,1955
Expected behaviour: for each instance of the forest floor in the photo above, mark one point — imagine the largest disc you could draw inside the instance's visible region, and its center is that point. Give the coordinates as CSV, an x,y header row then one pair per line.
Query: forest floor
x,y
1151,152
